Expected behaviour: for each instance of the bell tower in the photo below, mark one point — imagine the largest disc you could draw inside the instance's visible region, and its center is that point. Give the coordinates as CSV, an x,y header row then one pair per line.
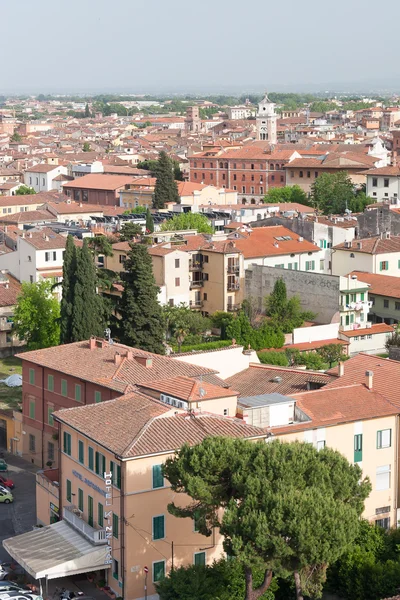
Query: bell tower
x,y
266,121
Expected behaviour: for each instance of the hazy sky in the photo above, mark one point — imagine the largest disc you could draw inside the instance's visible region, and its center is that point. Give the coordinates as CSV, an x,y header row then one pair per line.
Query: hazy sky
x,y
215,45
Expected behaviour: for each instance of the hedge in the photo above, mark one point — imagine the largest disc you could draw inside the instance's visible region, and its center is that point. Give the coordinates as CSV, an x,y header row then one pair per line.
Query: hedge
x,y
205,346
273,358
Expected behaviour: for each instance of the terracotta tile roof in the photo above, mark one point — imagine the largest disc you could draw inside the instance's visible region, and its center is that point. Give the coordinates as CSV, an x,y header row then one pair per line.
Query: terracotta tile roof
x,y
160,251
124,246
98,365
136,425
381,285
373,330
262,242
386,378
122,170
372,245
66,208
305,346
185,388
20,200
95,181
343,404
393,171
304,163
42,168
259,379
45,239
9,295
29,216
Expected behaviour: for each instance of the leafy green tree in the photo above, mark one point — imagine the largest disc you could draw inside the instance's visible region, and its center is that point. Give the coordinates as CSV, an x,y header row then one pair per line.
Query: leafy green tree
x,y
285,312
130,230
188,220
166,189
180,322
36,316
86,147
25,190
89,312
149,221
288,193
332,193
264,336
223,580
16,137
332,353
68,291
283,508
141,323
137,210
273,358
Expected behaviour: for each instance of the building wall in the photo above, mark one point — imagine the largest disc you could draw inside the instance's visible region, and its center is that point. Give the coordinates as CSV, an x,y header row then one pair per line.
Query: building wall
x,y
369,343
318,292
43,182
342,263
341,437
300,259
103,197
175,278
227,361
47,499
377,189
305,177
377,221
379,312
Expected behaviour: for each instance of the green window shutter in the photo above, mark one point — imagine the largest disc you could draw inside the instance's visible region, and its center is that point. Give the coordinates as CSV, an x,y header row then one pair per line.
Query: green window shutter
x,y
80,499
116,474
97,469
195,521
290,266
158,570
77,392
347,320
158,479
118,479
200,559
398,264
64,387
50,410
81,452
50,383
296,266
103,465
115,525
67,443
97,396
32,376
313,265
347,299
100,515
159,527
362,296
358,447
32,407
69,491
90,510
112,470
90,458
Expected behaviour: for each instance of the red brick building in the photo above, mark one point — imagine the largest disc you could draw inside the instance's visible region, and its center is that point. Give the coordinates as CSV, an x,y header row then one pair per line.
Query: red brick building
x,y
96,188
250,170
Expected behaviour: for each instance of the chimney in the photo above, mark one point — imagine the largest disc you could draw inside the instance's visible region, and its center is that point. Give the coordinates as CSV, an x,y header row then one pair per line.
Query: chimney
x,y
129,355
369,377
92,343
117,359
341,368
145,361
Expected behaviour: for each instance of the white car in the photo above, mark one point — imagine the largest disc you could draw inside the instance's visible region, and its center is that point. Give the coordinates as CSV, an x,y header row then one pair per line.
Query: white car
x,y
19,595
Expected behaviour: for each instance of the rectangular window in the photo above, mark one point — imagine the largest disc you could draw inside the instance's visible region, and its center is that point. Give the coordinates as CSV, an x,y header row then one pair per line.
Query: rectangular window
x,y
321,445
384,438
97,396
90,458
159,527
100,464
90,510
67,443
301,173
362,296
358,447
200,559
177,263
116,474
386,182
321,264
32,443
78,392
310,265
384,523
81,452
397,305
115,568
177,281
384,265
383,478
374,182
100,515
115,525
64,387
50,383
385,303
50,451
158,570
50,410
47,256
80,499
32,376
158,479
32,406
69,491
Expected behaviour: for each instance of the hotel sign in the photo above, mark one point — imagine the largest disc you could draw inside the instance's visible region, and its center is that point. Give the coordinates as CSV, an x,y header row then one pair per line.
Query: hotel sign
x,y
108,517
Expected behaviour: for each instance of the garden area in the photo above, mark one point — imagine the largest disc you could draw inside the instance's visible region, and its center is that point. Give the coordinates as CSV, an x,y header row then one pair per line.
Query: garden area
x,y
10,398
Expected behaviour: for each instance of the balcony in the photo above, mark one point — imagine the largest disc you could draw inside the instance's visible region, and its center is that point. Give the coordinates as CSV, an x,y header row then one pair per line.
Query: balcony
x,y
233,286
233,307
196,284
6,325
195,265
234,269
73,516
196,304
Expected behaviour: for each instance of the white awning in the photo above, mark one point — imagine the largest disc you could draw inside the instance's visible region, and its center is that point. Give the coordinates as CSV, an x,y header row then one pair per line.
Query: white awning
x,y
56,550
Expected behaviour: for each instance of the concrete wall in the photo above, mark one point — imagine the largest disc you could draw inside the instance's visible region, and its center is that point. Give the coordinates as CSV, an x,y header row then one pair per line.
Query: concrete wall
x,y
315,334
318,292
227,361
374,222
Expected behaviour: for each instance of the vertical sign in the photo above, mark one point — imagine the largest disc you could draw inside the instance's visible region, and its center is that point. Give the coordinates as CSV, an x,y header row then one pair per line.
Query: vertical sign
x,y
108,518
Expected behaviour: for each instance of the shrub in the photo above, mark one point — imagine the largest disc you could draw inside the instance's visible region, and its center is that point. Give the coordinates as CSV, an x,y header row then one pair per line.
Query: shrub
x,y
205,346
273,358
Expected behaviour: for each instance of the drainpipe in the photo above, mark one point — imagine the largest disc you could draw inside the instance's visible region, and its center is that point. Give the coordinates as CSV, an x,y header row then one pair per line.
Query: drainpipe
x,y
43,413
122,512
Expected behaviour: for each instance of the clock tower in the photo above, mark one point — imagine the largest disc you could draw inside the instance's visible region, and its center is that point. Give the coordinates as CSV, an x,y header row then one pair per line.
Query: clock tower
x,y
266,121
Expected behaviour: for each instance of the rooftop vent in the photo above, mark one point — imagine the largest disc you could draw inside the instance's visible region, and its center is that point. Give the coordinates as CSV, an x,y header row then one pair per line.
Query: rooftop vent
x,y
277,379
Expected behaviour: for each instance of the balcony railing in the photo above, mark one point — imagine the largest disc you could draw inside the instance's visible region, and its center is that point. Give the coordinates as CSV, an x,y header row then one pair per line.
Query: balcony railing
x,y
195,265
73,516
234,269
233,307
196,284
196,303
233,287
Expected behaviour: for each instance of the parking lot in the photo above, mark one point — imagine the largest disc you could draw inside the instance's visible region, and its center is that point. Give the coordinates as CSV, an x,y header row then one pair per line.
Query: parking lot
x,y
19,516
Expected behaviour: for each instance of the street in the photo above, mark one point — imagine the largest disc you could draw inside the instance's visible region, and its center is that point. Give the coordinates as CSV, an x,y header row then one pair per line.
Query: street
x,y
19,516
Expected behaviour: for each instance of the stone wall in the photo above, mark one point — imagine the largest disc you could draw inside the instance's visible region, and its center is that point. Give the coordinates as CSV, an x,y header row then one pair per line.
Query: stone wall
x,y
394,353
318,293
375,222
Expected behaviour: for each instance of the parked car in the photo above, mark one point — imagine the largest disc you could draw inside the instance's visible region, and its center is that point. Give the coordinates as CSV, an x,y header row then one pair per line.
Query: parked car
x,y
19,595
5,495
3,465
11,586
7,482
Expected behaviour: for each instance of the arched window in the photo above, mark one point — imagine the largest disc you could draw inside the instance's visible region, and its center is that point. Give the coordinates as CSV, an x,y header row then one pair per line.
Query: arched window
x,y
253,201
352,255
272,167
226,165
221,165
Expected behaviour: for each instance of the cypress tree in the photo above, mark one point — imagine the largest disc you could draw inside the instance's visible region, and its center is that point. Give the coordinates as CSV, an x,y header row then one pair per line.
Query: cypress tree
x,y
68,287
141,315
166,189
88,314
149,222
